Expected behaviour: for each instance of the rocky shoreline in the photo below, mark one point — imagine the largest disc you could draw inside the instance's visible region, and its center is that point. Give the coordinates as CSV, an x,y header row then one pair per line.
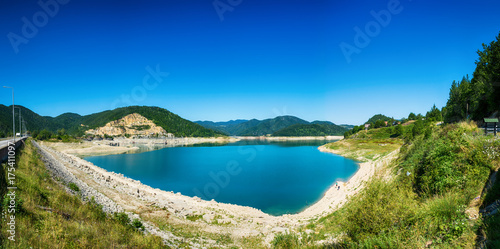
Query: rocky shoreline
x,y
87,193
117,192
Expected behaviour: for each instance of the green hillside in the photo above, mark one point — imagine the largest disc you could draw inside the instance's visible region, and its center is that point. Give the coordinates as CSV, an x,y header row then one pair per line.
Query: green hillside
x,y
310,130
284,125
72,122
32,120
253,127
171,122
232,127
269,126
376,118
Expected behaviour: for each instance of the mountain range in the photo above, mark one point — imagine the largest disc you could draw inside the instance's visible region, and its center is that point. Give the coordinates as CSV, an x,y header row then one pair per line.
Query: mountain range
x,y
278,126
76,124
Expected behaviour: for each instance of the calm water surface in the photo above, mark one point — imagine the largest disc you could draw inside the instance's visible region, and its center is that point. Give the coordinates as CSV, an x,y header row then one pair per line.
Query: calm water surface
x,y
276,177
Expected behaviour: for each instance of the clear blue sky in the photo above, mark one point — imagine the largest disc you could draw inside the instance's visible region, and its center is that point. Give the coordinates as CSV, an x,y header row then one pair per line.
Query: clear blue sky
x,y
260,60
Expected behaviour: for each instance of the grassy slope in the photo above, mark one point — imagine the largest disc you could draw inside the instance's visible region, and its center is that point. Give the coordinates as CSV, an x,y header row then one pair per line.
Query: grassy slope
x,y
69,223
367,145
448,168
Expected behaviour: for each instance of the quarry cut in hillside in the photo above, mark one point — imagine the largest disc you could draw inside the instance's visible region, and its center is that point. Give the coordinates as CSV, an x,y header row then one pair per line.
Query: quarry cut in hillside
x,y
133,124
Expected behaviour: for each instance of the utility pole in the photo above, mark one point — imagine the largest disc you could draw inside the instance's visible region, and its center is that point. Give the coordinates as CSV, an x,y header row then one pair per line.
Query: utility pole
x,y
13,114
20,126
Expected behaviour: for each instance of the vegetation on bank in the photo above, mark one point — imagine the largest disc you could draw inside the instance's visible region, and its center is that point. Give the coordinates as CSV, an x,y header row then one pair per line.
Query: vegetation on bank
x,y
368,145
430,201
438,183
47,215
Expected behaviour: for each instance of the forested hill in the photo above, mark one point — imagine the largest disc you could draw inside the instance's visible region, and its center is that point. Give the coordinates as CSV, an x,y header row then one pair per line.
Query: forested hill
x,y
253,127
298,130
76,124
256,127
269,126
228,127
376,118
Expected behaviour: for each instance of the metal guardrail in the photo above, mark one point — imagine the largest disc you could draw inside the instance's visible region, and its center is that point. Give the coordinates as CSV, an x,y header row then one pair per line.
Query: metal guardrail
x,y
4,150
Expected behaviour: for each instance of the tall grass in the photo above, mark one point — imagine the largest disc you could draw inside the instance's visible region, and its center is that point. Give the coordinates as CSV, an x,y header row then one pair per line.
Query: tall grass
x,y
54,218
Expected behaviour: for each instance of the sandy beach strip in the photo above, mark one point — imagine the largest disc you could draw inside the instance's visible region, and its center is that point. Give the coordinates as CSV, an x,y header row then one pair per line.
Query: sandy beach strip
x,y
334,198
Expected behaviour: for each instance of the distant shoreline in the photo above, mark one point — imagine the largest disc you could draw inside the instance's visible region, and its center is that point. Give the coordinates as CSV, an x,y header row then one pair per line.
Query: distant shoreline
x,y
290,138
128,145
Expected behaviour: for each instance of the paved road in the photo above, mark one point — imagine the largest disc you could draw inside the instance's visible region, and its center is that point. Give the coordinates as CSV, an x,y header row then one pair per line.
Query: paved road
x,y
5,142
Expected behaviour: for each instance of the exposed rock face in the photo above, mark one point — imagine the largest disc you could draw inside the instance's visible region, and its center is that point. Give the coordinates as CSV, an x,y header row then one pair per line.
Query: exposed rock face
x,y
132,124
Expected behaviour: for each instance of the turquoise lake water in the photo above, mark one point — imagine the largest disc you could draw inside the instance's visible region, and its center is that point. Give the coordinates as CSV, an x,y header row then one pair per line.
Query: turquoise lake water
x,y
277,178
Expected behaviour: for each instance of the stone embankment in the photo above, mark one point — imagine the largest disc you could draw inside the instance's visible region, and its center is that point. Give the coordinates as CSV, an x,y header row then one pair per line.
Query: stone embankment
x,y
55,162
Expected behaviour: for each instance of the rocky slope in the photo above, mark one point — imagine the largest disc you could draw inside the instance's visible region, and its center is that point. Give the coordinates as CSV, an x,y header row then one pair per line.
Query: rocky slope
x,y
133,124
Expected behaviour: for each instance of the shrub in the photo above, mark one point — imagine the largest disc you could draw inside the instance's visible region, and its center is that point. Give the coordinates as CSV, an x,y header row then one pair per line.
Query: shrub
x,y
194,217
378,208
73,187
446,218
121,218
286,241
137,224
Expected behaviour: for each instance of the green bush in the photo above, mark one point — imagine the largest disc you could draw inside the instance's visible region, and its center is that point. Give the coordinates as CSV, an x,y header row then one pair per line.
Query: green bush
x,y
137,224
286,241
121,218
446,218
73,187
380,207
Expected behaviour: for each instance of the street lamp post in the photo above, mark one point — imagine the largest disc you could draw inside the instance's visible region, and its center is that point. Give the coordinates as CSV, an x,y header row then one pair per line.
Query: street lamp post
x,y
13,114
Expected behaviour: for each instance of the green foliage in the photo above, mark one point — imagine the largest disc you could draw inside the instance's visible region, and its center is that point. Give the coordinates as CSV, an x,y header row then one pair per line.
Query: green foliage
x,y
310,130
439,171
137,224
17,207
44,135
458,101
172,123
377,117
354,130
269,126
477,98
122,218
286,241
492,231
398,130
438,162
73,187
279,126
379,123
418,128
65,126
434,114
194,217
141,127
394,206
